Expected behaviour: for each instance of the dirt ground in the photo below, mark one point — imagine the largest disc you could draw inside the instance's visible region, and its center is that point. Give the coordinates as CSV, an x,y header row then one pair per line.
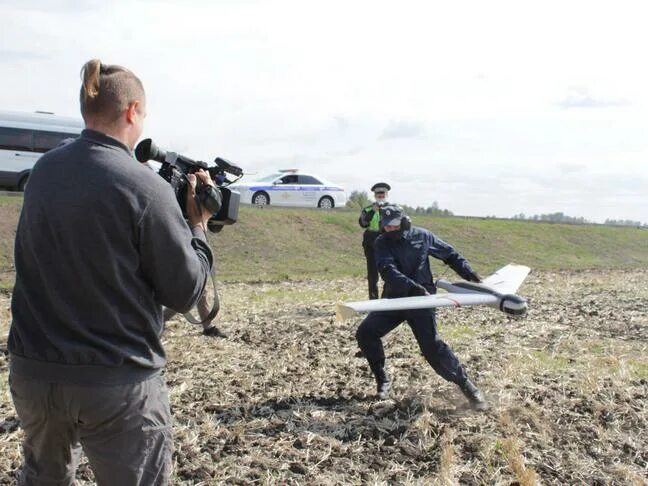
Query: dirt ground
x,y
283,400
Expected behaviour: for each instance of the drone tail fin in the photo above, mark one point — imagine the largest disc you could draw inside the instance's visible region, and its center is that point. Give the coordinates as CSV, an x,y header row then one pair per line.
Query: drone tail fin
x,y
507,279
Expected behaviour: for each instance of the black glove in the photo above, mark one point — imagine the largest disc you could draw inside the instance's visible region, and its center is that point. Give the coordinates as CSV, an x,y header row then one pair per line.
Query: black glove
x,y
474,277
417,290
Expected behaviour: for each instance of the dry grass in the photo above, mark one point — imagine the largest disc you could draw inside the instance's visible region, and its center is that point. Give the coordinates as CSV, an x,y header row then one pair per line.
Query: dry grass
x,y
447,465
283,400
523,475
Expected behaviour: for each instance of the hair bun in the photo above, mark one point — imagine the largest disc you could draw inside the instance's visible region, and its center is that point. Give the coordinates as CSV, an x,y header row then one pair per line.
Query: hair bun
x,y
90,74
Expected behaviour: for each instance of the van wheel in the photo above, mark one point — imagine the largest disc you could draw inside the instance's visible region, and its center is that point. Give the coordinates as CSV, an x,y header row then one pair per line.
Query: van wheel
x,y
326,203
261,198
22,184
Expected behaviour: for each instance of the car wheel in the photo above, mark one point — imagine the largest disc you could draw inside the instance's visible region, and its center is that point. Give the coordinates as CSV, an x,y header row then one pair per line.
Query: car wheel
x,y
261,198
326,203
22,184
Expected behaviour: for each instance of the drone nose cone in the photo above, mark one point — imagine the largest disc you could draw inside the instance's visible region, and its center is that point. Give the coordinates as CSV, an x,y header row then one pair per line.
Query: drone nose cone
x,y
513,305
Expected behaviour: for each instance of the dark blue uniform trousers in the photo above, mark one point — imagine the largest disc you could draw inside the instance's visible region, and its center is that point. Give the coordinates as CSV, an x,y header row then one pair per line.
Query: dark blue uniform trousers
x,y
423,325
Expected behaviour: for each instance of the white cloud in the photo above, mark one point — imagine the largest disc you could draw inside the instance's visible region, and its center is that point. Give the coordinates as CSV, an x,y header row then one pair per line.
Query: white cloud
x,y
402,129
455,102
580,97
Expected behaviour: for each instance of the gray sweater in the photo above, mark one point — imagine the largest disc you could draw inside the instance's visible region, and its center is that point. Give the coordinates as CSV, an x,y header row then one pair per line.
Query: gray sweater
x,y
101,245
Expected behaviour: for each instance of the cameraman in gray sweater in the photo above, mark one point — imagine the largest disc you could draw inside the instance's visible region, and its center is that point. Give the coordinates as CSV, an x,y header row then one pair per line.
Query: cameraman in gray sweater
x,y
101,246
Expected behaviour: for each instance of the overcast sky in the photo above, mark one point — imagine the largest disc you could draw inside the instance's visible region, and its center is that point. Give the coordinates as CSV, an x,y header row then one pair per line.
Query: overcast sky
x,y
487,107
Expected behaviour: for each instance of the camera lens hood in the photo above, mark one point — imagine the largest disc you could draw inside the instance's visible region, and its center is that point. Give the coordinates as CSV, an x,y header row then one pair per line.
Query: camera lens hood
x,y
147,150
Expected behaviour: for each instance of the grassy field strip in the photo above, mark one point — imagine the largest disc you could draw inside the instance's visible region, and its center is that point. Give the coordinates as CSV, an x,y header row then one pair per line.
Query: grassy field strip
x,y
279,244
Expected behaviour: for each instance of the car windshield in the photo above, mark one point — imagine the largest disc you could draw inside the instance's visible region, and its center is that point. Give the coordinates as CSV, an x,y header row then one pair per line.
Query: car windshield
x,y
267,178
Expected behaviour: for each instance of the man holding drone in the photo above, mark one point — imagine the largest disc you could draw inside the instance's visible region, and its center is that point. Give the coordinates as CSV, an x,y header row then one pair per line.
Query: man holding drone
x,y
402,257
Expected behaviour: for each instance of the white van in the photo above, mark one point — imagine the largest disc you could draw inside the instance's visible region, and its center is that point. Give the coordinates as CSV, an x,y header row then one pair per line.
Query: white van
x,y
24,137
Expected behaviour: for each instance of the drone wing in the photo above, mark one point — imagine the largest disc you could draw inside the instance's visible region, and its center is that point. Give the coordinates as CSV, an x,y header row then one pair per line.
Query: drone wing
x,y
496,290
507,279
348,310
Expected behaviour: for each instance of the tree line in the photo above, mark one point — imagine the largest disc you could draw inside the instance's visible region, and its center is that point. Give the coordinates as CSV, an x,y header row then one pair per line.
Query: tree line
x,y
560,217
360,199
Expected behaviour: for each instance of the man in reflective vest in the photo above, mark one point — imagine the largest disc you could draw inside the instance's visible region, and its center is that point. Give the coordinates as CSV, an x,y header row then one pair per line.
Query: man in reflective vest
x,y
370,220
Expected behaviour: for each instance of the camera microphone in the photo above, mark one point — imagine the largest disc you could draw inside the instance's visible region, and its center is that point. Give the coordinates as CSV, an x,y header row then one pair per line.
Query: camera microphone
x,y
228,166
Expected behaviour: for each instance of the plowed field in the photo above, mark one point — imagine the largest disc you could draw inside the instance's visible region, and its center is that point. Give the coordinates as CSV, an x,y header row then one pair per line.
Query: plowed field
x,y
283,400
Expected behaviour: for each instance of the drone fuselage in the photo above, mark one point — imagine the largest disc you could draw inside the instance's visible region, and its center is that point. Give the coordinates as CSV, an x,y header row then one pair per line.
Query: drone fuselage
x,y
508,303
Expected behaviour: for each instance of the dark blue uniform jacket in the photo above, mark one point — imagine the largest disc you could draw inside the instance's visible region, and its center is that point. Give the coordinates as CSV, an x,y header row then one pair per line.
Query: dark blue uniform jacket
x,y
403,262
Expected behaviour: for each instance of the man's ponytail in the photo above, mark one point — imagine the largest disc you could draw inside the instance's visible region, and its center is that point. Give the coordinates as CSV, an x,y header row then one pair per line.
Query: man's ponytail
x,y
90,76
107,90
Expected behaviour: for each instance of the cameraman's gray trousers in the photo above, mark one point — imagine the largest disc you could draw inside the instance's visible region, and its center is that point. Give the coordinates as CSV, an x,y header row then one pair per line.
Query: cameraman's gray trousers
x,y
124,430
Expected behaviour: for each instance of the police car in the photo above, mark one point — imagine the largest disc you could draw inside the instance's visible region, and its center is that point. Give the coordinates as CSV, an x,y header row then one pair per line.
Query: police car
x,y
291,188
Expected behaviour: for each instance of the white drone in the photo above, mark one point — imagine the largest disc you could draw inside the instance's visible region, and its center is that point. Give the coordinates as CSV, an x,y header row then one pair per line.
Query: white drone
x,y
497,290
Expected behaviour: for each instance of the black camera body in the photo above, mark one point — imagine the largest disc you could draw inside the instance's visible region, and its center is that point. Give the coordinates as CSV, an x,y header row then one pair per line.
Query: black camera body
x,y
221,201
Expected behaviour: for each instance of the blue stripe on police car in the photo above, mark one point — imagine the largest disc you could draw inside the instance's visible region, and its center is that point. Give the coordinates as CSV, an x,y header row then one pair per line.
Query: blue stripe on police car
x,y
280,187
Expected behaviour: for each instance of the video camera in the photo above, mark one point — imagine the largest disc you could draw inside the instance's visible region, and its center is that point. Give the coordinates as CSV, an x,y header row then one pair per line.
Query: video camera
x,y
221,201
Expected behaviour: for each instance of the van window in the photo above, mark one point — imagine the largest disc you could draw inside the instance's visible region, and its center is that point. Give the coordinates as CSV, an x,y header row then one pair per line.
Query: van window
x,y
31,140
15,139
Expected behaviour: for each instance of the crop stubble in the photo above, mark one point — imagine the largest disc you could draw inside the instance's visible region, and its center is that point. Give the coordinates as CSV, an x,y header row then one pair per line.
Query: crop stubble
x,y
283,400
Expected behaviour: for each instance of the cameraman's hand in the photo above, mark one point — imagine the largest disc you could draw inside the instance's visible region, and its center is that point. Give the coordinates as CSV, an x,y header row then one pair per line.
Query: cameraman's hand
x,y
196,214
205,178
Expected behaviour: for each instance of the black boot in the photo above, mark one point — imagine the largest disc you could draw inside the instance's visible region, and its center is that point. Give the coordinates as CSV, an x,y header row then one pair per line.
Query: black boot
x,y
213,331
383,383
383,388
474,396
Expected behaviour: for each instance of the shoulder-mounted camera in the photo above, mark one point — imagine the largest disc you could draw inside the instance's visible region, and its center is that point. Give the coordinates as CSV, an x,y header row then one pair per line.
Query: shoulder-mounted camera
x,y
221,201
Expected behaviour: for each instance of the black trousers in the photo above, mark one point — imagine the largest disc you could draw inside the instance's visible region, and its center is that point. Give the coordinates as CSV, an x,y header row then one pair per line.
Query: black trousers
x,y
368,240
423,324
